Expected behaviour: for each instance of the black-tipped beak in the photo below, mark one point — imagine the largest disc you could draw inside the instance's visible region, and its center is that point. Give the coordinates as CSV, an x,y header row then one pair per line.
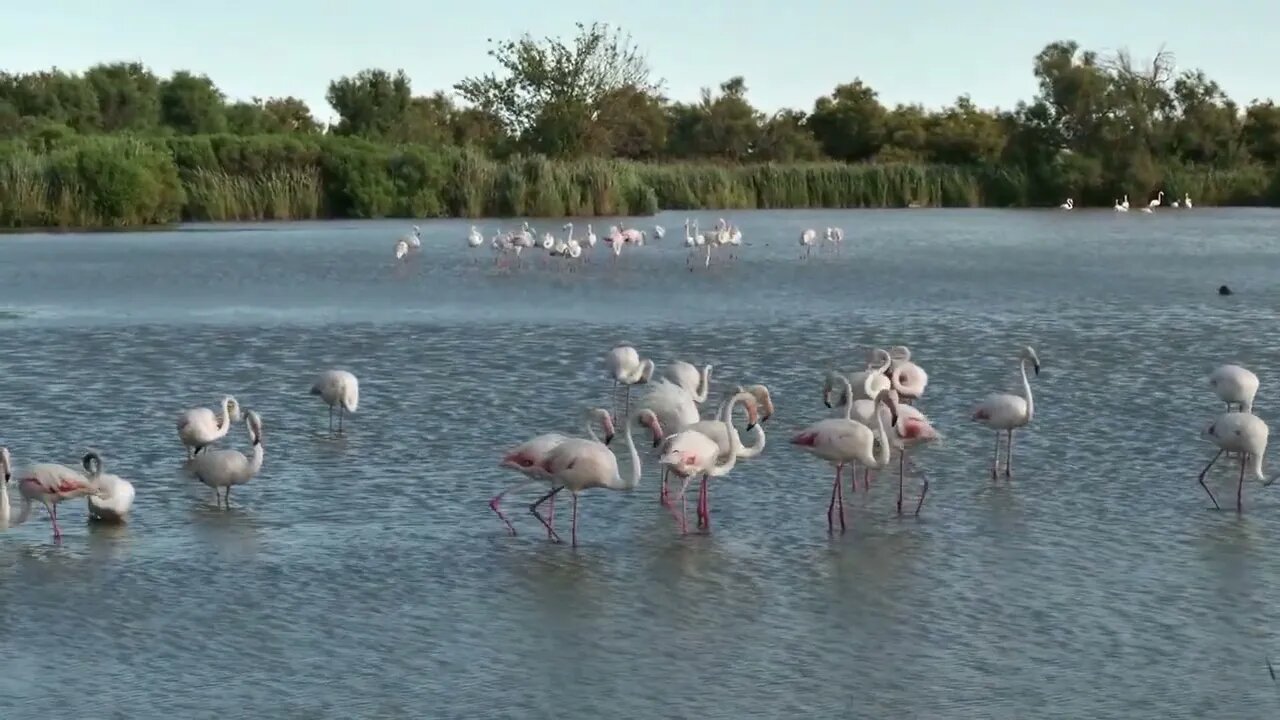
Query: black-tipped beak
x,y
765,419
751,426
608,438
657,441
1037,368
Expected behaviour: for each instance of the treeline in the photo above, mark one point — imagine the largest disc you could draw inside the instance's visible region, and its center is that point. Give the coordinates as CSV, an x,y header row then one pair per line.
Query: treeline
x,y
580,127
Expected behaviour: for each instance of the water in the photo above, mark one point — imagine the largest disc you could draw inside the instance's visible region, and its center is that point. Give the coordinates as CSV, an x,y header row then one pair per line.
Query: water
x,y
365,576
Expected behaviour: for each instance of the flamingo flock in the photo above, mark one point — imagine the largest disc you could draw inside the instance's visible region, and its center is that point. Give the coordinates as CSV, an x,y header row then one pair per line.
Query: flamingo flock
x,y
110,497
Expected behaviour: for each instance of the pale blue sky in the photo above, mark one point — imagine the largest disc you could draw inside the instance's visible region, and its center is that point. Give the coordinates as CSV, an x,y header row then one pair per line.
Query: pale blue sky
x,y
789,51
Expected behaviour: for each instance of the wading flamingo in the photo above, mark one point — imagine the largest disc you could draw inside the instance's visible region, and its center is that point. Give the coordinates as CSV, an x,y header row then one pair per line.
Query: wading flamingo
x,y
226,468
527,458
688,377
1068,205
687,453
199,427
579,464
877,368
1007,412
843,440
1234,385
626,368
807,240
1120,208
1246,434
338,388
912,428
413,239
1158,201
909,379
674,409
115,494
401,249
1186,201
48,484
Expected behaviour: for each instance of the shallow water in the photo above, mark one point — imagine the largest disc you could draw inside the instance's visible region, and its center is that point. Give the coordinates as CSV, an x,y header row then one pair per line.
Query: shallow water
x,y
364,576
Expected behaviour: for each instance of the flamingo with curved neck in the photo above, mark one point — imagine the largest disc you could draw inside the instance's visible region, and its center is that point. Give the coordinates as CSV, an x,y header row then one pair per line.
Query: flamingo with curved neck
x,y
1008,412
698,450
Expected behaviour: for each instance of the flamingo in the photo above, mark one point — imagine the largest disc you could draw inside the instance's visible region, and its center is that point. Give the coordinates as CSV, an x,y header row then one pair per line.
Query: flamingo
x,y
633,236
1246,434
690,240
728,443
659,231
1234,385
226,468
6,475
48,484
591,238
578,465
835,236
675,409
807,239
527,457
912,428
877,370
199,427
413,239
1125,204
626,367
1158,201
693,452
340,388
115,496
1007,412
1186,201
908,378
474,240
1174,204
843,440
688,377
1068,205
1121,208
401,249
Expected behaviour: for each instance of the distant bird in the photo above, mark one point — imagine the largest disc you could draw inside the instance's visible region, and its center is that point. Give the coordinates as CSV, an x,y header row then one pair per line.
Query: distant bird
x,y
1186,201
1121,208
591,238
626,368
228,468
199,427
1126,202
1158,201
340,388
807,240
1234,385
1007,412
115,497
659,231
1224,290
49,484
401,249
474,238
1068,205
6,474
413,239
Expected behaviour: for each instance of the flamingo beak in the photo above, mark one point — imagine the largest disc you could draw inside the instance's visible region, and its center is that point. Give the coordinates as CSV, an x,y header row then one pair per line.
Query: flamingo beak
x,y
826,398
608,438
1036,367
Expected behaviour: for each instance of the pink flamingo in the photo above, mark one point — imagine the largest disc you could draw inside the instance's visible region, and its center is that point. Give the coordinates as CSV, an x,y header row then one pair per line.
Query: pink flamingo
x,y
909,379
843,440
579,464
1241,432
709,448
626,367
911,428
48,484
1003,411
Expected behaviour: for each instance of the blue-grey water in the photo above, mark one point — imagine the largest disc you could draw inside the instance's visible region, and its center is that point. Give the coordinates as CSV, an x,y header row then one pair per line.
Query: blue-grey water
x,y
365,577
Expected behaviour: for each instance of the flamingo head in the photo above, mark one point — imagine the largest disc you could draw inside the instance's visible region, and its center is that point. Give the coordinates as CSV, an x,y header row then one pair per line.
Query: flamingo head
x,y
830,384
1028,354
254,422
764,399
232,407
649,420
605,418
92,463
5,472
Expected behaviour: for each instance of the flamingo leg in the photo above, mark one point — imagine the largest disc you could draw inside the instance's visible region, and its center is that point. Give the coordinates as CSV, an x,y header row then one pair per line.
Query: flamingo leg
x,y
704,500
53,518
902,459
684,508
1206,472
341,413
613,401
1008,457
831,508
330,418
575,521
1240,486
840,495
551,517
495,504
663,497
866,479
995,459
226,499
534,509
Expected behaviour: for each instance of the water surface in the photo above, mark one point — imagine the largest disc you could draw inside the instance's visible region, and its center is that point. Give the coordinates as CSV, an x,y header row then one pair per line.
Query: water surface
x,y
364,576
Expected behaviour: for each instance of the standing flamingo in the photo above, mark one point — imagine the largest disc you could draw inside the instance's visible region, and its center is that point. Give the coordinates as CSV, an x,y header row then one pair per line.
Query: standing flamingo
x,y
413,239
674,408
1007,412
1234,385
199,427
6,474
877,370
527,457
579,464
688,377
1158,201
807,240
626,367
908,378
912,428
687,453
340,388
659,232
1186,201
1121,208
115,494
843,440
1244,433
49,484
401,249
227,468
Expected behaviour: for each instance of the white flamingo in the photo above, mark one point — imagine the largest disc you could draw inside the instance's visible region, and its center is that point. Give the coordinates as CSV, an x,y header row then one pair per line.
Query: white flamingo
x,y
1186,201
688,377
693,451
909,379
591,238
338,388
199,427
228,468
1234,385
1125,204
115,497
627,368
807,240
474,240
1120,208
1158,201
1007,412
1068,205
413,239
1243,433
659,231
401,249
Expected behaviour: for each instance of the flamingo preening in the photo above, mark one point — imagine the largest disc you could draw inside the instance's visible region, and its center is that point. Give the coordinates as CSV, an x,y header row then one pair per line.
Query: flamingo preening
x,y
338,388
626,368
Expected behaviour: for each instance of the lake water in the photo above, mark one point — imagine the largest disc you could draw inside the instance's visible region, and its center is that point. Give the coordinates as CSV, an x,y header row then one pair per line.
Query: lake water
x,y
365,577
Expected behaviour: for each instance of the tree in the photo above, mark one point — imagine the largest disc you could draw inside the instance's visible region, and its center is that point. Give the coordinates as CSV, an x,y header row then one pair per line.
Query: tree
x,y
1207,127
724,126
850,124
785,137
1261,131
964,135
54,96
128,96
192,105
633,124
372,103
554,86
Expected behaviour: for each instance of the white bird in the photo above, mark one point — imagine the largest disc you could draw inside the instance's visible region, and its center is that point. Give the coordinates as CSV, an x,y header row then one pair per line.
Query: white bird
x,y
1234,385
659,231
1243,433
401,249
626,368
909,379
1125,204
474,238
1158,201
694,382
227,468
1147,211
1068,205
877,370
807,239
414,239
340,388
591,237
1120,208
6,474
1007,412
1174,204
199,427
115,496
1186,201
696,450
48,484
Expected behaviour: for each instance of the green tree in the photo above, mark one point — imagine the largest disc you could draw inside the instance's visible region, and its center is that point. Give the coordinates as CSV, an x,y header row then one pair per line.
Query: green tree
x,y
785,137
128,96
372,103
964,135
192,105
1261,131
850,123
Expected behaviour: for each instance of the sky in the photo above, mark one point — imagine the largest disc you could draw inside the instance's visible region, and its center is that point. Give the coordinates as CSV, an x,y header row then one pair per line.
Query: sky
x,y
789,51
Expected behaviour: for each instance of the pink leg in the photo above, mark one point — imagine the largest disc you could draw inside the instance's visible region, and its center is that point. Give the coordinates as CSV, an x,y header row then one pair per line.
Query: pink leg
x,y
831,507
684,507
575,520
995,459
664,498
551,519
53,517
495,504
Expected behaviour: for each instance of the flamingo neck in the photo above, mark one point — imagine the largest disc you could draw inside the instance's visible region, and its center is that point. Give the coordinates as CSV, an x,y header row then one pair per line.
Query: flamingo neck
x,y
704,385
735,443
224,422
882,457
629,483
1026,390
4,505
